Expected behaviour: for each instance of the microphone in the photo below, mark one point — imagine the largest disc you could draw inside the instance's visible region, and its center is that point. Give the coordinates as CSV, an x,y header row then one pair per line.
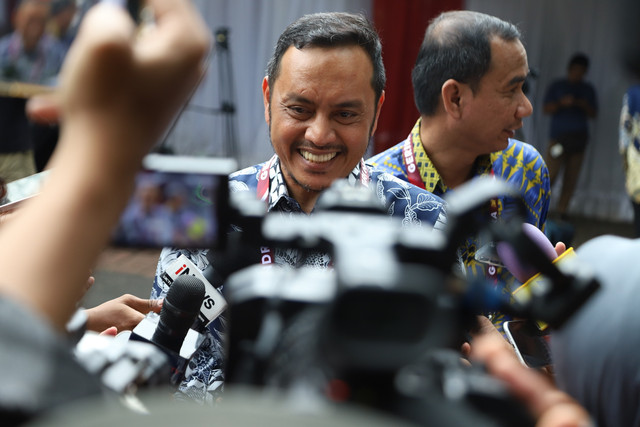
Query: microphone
x,y
553,286
159,348
524,271
172,331
213,303
179,311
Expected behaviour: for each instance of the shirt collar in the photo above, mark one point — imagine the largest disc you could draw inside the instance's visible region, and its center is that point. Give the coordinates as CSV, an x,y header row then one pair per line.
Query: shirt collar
x,y
279,193
430,176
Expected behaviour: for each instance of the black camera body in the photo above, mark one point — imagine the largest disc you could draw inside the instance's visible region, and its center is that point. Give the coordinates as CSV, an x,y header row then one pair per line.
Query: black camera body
x,y
383,327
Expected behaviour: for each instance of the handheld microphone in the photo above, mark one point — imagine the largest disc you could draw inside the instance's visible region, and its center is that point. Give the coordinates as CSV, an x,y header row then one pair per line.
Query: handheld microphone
x,y
171,331
213,303
523,271
179,310
553,286
159,348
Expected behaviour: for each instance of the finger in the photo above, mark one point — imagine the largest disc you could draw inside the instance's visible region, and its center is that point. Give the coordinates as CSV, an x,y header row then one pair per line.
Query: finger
x,y
144,306
155,305
105,21
111,331
44,108
178,29
531,387
465,349
103,43
560,248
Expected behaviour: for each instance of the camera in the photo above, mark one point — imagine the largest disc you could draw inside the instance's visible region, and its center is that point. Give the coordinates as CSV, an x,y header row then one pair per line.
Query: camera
x,y
382,328
178,201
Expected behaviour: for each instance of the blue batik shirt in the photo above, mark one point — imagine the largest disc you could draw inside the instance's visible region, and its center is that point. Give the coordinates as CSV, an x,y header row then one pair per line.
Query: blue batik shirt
x,y
415,206
520,165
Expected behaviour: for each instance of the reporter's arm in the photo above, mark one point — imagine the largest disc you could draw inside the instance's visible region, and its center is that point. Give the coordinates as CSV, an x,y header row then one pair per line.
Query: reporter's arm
x,y
123,313
550,406
117,94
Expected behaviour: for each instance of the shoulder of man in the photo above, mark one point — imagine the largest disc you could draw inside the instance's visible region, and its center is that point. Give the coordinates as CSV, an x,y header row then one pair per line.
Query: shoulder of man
x,y
413,204
389,161
518,155
245,179
523,167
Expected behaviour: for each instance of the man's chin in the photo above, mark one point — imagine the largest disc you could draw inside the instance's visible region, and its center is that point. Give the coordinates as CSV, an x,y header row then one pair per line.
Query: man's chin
x,y
312,186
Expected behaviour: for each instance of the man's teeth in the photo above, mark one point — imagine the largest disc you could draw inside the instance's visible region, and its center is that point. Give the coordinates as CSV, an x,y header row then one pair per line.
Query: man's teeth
x,y
317,158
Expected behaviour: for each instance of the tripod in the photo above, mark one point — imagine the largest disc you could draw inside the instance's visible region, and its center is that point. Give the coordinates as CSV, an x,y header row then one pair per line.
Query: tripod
x,y
227,106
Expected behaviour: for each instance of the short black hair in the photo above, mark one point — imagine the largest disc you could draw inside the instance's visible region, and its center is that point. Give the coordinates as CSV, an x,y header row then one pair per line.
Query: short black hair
x,y
456,45
331,29
579,58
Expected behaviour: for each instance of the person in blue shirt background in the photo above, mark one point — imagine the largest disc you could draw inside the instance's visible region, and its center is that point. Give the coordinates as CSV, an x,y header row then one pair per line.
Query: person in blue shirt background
x,y
571,102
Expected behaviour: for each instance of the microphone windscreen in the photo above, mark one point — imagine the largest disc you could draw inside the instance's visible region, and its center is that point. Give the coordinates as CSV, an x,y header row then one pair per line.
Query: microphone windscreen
x,y
523,271
179,310
186,293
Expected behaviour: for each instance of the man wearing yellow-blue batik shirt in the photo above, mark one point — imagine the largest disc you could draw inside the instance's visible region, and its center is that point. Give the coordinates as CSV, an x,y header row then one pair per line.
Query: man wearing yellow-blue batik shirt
x,y
467,84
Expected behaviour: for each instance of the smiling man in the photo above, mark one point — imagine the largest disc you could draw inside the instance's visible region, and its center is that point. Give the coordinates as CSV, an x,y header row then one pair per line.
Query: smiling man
x,y
322,97
467,84
321,110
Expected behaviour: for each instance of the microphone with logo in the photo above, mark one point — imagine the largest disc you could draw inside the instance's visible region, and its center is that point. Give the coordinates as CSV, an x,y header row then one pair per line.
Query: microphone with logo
x,y
171,330
156,352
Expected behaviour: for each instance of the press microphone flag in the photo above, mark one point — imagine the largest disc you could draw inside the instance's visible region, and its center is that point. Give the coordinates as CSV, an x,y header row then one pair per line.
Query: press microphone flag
x,y
213,304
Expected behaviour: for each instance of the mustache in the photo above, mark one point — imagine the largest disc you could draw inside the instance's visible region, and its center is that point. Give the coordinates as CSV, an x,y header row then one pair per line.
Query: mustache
x,y
304,144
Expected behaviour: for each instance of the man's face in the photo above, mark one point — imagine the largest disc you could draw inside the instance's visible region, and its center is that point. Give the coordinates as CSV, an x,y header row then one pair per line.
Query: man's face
x,y
498,105
30,21
576,73
321,112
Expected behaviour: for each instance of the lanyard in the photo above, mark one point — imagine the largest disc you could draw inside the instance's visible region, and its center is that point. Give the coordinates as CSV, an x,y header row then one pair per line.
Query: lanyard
x,y
266,253
409,158
413,174
262,190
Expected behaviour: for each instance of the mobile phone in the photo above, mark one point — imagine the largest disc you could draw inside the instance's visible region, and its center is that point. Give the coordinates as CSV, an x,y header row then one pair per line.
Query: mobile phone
x,y
21,190
178,201
529,342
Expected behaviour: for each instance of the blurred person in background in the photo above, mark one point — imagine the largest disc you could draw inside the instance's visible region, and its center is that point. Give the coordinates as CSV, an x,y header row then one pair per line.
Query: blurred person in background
x,y
571,102
27,55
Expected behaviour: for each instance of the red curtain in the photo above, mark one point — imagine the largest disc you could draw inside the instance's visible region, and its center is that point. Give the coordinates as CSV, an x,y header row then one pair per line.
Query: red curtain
x,y
401,25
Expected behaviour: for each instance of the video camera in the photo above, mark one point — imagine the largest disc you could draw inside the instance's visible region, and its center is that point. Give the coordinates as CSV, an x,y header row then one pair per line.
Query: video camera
x,y
382,328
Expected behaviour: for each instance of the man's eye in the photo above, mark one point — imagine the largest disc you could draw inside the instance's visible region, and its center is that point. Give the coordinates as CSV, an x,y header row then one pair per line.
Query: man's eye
x,y
346,116
299,111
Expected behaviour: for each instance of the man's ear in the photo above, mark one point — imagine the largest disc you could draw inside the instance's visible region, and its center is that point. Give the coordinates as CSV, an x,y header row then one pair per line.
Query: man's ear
x,y
266,98
378,108
453,93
